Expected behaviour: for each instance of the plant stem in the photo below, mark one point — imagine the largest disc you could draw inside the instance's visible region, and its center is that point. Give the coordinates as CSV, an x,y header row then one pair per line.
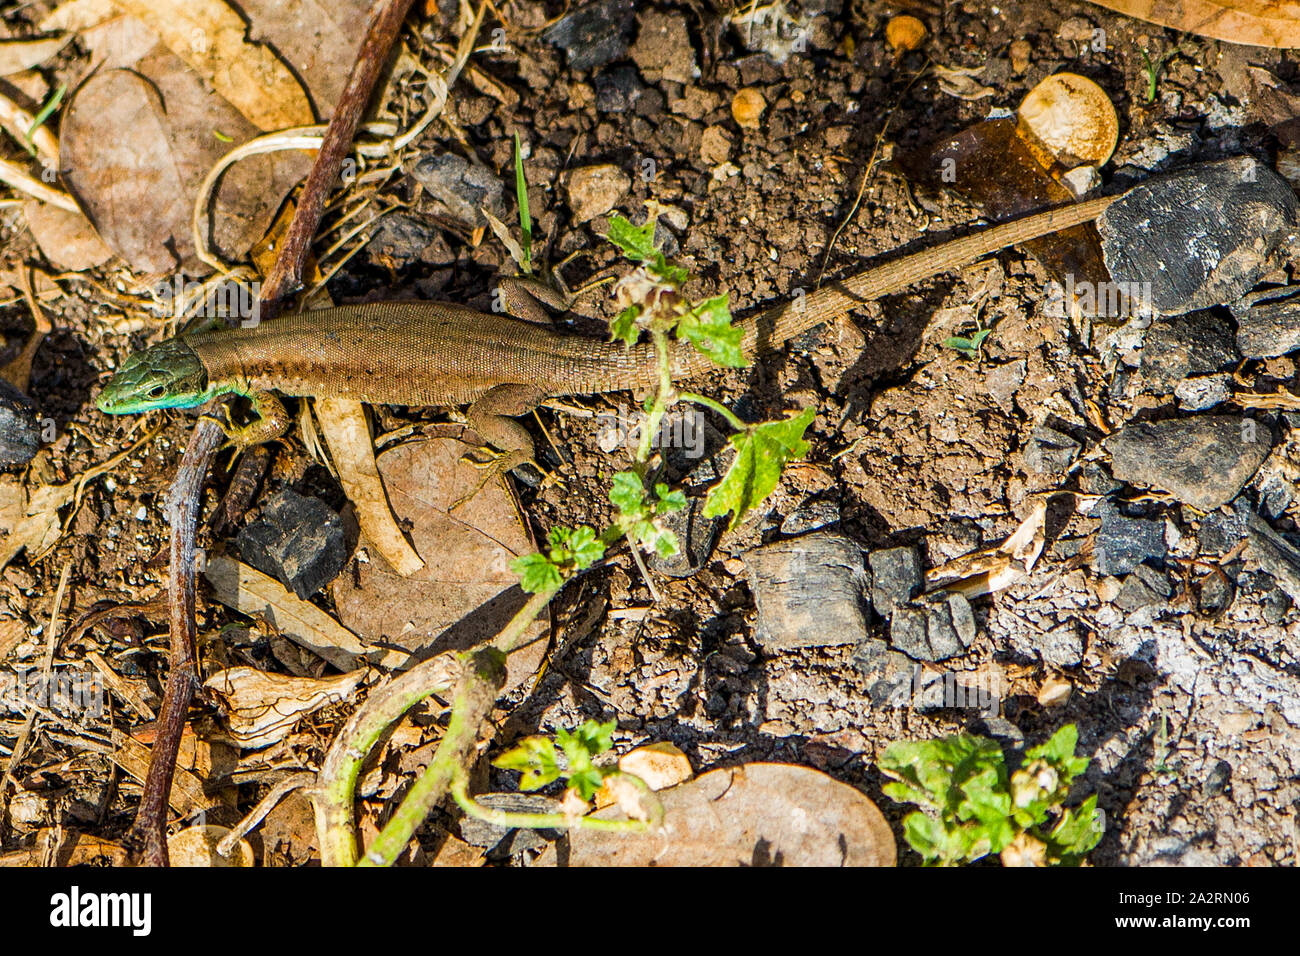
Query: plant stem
x,y
718,407
663,393
560,821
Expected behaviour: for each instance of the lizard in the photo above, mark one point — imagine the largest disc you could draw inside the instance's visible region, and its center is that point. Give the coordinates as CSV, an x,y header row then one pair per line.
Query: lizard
x,y
431,353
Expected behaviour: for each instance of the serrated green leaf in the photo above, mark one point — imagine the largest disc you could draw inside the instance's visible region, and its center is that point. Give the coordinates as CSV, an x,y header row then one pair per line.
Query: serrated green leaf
x,y
637,243
536,572
762,452
623,327
708,327
627,494
535,758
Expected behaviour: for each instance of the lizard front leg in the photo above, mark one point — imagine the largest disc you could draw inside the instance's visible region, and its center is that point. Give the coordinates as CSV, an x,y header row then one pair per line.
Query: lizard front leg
x,y
271,422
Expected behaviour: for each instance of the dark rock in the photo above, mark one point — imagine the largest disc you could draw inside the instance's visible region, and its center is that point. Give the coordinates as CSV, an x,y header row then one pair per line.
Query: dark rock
x,y
1002,728
697,535
817,512
462,188
935,630
595,34
1124,543
297,540
1144,587
810,592
1202,460
1094,479
1275,496
1200,237
1196,344
1221,531
1268,322
896,577
20,434
480,833
1275,555
1217,780
618,90
402,239
1217,592
1049,452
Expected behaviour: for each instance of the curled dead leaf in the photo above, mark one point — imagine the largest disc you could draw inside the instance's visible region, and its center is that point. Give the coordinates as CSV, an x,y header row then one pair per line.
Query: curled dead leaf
x,y
197,847
261,708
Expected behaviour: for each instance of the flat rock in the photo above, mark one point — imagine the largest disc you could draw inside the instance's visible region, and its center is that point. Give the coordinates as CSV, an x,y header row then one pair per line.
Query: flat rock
x,y
1275,555
811,591
1195,344
1200,237
1268,322
1061,646
896,577
890,675
1203,392
462,188
1202,460
934,630
594,34
1049,452
816,512
1221,531
595,190
1143,588
298,540
1123,543
20,435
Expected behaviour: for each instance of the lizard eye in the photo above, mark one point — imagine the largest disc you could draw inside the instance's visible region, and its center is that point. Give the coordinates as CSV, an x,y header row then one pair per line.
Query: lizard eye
x,y
157,391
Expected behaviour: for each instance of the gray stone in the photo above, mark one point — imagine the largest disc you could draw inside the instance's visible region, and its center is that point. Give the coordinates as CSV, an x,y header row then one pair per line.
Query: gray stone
x,y
1275,555
1124,543
1143,588
493,838
893,679
20,435
811,591
1196,344
1061,646
1202,393
818,512
1201,237
1202,460
1275,496
297,540
594,34
1221,531
697,536
1049,452
936,630
1268,322
618,90
896,577
462,188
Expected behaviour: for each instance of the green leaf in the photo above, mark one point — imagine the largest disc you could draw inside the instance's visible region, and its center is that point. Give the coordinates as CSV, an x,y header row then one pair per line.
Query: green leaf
x,y
580,746
762,452
925,835
708,327
627,494
578,548
525,218
536,572
636,242
668,500
43,114
535,758
1078,830
623,326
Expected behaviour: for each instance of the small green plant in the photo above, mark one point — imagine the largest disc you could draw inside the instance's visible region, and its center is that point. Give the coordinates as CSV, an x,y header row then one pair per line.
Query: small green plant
x,y
43,114
968,346
970,808
1154,68
525,217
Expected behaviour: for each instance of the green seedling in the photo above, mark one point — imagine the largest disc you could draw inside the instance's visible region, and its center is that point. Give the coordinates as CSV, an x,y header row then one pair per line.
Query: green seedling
x,y
970,808
525,217
968,346
1154,68
43,114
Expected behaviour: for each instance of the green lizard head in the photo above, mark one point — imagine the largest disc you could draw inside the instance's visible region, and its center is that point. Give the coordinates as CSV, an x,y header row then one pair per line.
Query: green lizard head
x,y
168,375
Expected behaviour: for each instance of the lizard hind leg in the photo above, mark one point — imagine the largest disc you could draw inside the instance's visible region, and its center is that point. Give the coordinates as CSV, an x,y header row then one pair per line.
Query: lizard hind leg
x,y
509,443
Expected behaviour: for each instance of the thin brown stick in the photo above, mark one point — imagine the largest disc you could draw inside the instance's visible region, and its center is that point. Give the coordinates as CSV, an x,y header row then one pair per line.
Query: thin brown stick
x,y
148,837
381,33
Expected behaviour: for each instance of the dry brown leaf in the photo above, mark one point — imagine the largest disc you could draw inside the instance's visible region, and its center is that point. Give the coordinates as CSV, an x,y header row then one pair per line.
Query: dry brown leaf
x,y
78,15
959,81
57,847
209,36
254,594
19,55
757,814
1253,22
261,708
993,569
347,432
466,591
186,795
67,239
